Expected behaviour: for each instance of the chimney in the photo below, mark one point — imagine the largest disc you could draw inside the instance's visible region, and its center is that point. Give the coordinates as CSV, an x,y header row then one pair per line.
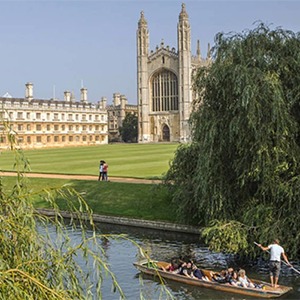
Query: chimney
x,y
83,97
103,102
29,91
116,99
67,96
123,102
123,105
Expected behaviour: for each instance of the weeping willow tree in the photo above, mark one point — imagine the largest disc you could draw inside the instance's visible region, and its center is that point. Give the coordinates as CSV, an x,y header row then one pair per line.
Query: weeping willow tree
x,y
243,181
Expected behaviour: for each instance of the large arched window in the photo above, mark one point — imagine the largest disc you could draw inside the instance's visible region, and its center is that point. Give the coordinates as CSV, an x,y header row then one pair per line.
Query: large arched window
x,y
164,91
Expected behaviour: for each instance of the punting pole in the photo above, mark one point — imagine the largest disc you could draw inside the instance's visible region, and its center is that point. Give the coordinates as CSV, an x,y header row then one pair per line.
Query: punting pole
x,y
283,261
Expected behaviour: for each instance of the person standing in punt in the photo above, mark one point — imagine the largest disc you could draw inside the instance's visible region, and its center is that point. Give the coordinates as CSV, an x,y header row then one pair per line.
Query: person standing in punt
x,y
276,252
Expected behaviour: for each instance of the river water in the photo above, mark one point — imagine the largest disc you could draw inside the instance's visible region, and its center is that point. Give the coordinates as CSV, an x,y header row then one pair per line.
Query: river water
x,y
161,245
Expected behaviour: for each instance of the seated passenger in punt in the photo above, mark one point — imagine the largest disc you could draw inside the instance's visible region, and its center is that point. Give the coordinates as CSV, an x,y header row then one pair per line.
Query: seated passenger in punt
x,y
232,277
187,270
175,266
244,280
197,273
219,277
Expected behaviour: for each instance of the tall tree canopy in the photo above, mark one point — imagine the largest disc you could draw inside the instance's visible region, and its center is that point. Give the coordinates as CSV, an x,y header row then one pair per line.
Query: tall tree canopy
x,y
240,176
129,129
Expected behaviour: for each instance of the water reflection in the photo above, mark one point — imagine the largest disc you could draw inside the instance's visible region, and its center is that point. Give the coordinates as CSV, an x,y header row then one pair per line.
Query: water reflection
x,y
163,245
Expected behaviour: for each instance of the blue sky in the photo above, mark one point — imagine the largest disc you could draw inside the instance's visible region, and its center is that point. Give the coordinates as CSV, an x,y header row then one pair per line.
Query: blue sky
x,y
57,45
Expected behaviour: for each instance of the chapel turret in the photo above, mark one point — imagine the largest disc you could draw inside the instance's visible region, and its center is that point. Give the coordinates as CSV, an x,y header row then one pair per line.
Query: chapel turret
x,y
185,72
142,78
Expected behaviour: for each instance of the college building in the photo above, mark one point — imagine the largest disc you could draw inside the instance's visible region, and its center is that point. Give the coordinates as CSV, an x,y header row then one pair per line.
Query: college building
x,y
116,114
53,123
164,84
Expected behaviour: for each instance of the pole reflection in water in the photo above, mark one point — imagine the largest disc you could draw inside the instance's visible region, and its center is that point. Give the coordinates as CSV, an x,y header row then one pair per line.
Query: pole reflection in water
x,y
162,245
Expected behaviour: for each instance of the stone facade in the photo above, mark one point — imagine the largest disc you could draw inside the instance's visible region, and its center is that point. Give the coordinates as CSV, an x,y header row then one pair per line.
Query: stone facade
x,y
54,123
164,81
116,114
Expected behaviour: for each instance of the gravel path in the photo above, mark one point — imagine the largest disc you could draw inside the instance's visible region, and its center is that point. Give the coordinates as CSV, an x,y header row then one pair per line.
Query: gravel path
x,y
83,177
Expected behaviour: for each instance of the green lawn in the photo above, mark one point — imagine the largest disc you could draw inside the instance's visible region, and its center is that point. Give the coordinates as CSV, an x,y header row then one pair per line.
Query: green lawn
x,y
124,160
142,201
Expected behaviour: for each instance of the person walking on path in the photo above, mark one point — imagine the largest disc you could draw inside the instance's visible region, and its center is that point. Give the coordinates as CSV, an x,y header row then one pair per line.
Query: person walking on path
x,y
276,252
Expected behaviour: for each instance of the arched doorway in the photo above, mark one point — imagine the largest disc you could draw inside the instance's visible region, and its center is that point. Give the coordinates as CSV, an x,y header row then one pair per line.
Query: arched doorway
x,y
166,133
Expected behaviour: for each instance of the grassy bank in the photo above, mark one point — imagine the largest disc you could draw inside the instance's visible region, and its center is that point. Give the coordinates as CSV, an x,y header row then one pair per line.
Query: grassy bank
x,y
143,201
124,160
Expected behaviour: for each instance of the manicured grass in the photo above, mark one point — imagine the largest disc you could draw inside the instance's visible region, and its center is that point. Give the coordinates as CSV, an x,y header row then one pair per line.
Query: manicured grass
x,y
142,201
124,160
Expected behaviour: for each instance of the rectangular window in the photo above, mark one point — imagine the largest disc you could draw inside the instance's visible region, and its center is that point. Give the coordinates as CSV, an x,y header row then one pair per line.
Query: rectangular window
x,y
38,127
38,116
38,139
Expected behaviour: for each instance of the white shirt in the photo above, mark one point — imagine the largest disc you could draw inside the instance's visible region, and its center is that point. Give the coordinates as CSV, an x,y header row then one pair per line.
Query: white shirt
x,y
276,252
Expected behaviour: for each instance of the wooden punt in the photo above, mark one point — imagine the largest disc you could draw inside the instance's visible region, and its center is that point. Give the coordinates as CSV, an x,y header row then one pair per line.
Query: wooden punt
x,y
154,268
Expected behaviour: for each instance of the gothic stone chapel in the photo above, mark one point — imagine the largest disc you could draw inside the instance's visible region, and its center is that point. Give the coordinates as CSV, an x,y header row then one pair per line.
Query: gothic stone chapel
x,y
164,82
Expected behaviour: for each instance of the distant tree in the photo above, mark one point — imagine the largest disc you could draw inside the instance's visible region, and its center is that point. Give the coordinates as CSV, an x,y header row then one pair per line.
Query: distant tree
x,y
242,170
129,129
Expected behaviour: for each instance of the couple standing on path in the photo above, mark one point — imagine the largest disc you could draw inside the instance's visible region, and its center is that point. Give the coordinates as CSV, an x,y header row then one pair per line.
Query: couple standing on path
x,y
103,167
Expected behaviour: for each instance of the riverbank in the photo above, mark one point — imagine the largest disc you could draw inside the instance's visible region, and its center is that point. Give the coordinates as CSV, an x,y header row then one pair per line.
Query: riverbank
x,y
158,225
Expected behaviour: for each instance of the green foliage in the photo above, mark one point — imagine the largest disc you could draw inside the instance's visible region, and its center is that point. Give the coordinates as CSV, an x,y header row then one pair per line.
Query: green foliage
x,y
226,236
246,125
180,178
129,129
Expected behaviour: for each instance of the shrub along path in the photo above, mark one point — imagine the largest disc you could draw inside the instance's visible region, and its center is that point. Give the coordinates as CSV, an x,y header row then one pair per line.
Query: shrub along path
x,y
84,177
